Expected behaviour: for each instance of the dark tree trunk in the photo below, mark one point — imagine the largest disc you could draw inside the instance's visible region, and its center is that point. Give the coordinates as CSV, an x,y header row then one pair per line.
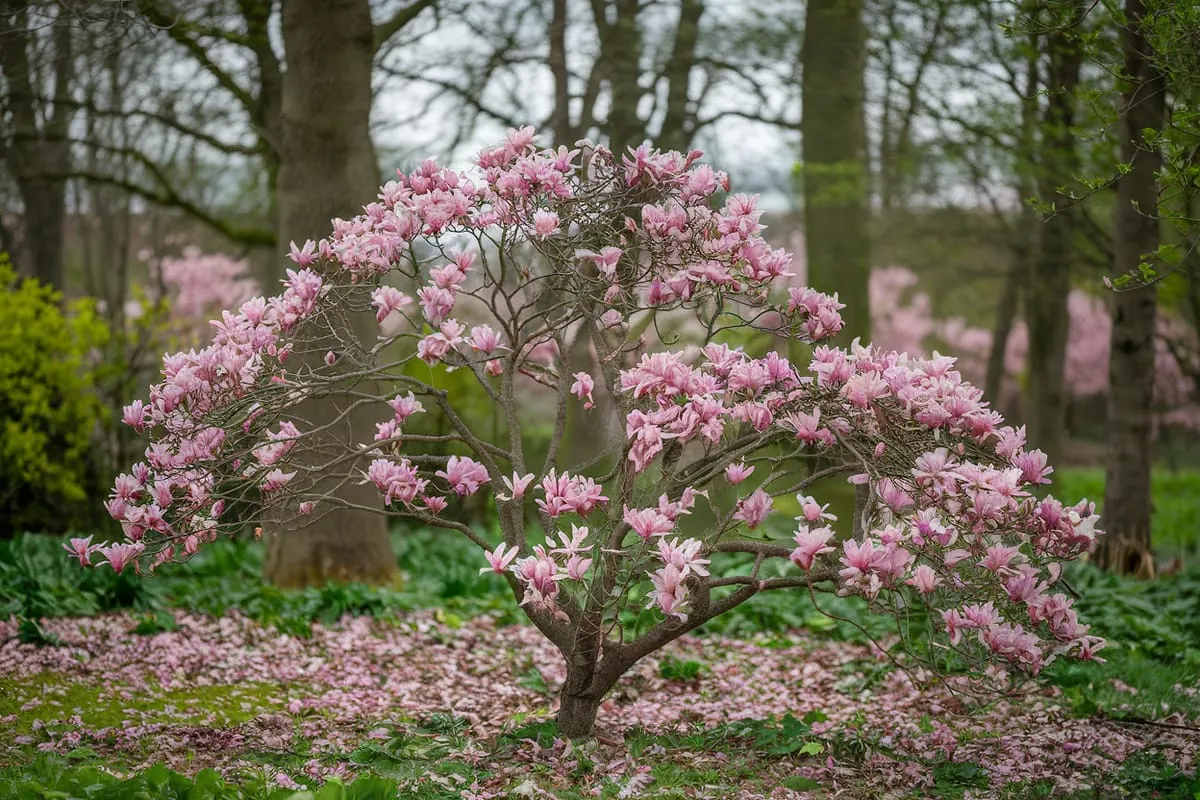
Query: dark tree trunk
x,y
1026,236
1127,505
622,50
328,169
564,132
1006,314
1049,282
677,126
834,171
577,714
266,116
39,156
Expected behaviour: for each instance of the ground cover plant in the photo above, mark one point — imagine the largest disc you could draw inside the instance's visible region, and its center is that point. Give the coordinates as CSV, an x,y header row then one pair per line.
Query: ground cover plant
x,y
561,264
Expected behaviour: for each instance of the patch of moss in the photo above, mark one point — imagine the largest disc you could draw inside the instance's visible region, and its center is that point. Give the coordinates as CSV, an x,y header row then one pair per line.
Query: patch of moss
x,y
60,698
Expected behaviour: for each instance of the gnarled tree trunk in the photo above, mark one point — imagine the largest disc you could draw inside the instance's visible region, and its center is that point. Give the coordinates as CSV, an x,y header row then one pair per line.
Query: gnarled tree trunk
x,y
1127,506
328,169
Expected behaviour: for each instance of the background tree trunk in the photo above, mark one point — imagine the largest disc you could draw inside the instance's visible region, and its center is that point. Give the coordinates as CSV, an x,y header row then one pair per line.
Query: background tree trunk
x,y
39,157
836,211
1049,282
1024,238
1127,505
328,169
676,133
621,46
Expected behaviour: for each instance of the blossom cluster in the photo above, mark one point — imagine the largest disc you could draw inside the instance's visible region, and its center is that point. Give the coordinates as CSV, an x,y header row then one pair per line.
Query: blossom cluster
x,y
538,250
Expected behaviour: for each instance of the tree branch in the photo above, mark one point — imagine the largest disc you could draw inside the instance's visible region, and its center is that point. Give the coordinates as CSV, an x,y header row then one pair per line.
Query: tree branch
x,y
389,28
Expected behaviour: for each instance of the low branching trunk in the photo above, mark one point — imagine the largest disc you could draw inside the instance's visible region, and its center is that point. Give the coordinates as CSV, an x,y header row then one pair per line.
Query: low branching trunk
x,y
577,713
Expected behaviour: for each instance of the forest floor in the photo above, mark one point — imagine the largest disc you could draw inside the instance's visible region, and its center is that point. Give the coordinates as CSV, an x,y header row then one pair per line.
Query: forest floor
x,y
463,709
203,683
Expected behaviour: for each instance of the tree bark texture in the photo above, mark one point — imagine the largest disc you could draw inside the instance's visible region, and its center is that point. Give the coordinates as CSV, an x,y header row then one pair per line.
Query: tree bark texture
x,y
836,208
328,169
1127,505
1049,282
39,155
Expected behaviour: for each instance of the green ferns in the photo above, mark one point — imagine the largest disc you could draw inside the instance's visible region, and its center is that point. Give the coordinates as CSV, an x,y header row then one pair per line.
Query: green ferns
x,y
47,408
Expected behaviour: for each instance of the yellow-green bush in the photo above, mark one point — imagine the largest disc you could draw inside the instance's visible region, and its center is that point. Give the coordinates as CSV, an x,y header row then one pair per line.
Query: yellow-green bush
x,y
48,412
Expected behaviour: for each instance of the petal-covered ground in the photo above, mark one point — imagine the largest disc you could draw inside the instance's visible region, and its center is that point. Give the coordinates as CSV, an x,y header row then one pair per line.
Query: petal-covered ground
x,y
456,706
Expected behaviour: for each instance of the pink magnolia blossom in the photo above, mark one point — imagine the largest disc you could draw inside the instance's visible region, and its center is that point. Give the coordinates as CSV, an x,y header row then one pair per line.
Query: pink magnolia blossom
x,y
811,511
670,594
485,340
924,579
464,475
122,554
810,543
753,510
605,261
684,556
405,406
583,387
435,504
82,550
516,486
499,559
545,223
386,300
736,473
647,522
276,479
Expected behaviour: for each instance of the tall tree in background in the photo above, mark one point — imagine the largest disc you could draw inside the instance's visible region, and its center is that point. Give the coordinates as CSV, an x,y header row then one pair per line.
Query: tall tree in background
x,y
327,167
1048,281
836,211
36,109
1127,504
309,114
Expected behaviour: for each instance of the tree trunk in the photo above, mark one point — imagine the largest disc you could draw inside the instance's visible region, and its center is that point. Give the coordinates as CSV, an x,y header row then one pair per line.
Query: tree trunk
x,y
1127,505
328,169
622,50
834,170
577,714
1026,235
39,157
1049,282
557,61
677,125
1006,314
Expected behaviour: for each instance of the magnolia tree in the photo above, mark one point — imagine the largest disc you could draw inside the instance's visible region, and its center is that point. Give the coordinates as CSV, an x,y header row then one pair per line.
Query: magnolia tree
x,y
511,265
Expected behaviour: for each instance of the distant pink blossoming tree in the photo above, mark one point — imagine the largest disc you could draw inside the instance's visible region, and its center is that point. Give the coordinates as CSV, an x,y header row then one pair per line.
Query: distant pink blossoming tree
x,y
516,261
902,319
201,285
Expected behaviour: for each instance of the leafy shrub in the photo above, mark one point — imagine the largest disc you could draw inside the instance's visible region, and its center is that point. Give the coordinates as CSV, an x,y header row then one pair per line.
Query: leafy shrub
x,y
47,408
